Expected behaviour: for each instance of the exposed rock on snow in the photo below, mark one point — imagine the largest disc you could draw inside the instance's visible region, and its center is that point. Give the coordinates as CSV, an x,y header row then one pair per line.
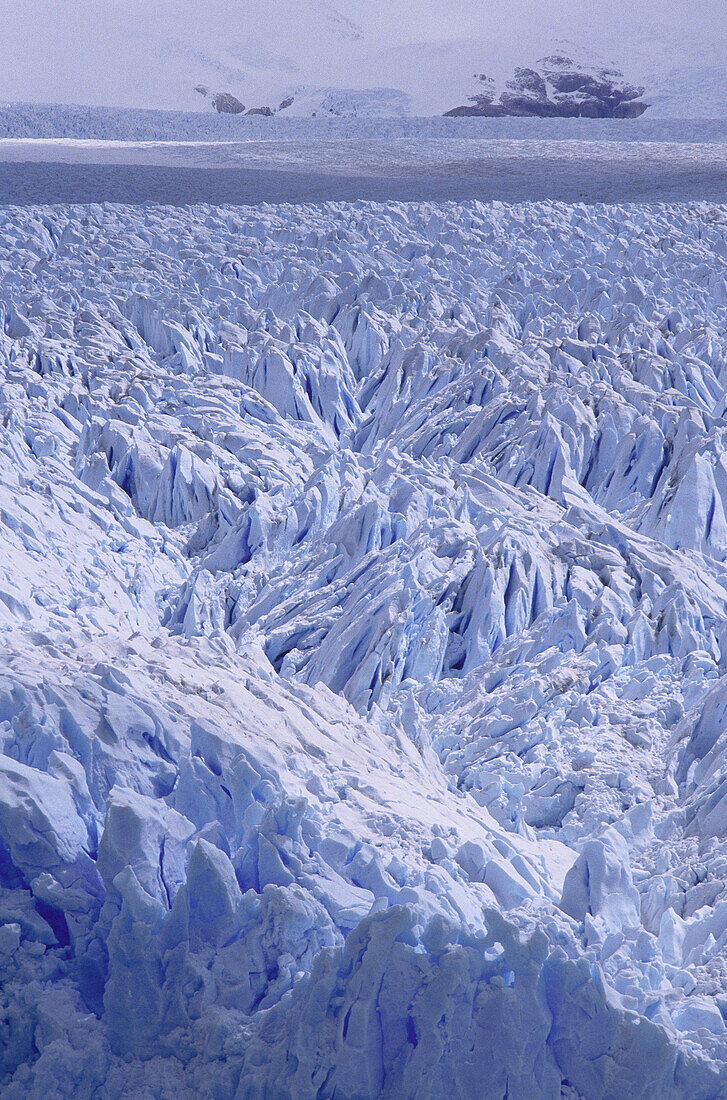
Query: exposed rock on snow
x,y
362,676
225,103
557,87
311,102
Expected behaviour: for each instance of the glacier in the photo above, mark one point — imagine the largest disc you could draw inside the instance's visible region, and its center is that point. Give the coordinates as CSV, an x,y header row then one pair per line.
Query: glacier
x,y
120,157
363,674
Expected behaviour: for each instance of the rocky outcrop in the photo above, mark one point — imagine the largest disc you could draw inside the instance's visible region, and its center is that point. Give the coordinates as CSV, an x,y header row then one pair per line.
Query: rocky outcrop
x,y
227,104
311,102
556,87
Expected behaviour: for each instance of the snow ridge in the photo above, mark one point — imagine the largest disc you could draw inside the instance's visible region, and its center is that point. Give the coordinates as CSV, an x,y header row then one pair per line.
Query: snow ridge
x,y
362,689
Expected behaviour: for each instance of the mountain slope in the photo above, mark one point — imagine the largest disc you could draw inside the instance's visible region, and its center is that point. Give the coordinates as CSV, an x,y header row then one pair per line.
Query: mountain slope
x,y
136,54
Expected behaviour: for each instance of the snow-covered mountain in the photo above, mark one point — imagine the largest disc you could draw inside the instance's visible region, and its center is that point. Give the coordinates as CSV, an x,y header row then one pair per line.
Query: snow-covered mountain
x,y
154,55
556,87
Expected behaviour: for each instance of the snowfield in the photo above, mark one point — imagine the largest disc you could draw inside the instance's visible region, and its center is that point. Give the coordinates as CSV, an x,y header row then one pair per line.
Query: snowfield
x,y
363,675
420,160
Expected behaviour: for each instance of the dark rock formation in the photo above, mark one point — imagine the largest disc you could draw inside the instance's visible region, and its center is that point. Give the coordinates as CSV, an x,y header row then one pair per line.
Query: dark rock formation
x,y
557,88
267,112
227,104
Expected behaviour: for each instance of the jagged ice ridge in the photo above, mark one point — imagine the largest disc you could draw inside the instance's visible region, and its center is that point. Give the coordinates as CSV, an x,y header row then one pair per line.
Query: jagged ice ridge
x,y
362,683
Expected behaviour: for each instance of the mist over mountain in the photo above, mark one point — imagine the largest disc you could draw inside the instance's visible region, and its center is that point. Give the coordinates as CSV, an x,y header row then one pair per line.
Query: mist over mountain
x,y
430,53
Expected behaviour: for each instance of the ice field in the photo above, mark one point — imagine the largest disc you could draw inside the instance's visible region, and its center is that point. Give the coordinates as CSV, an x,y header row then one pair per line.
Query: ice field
x,y
75,155
363,653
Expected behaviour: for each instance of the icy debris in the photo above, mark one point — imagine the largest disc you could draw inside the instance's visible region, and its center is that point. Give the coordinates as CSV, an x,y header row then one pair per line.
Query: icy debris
x,y
599,883
363,599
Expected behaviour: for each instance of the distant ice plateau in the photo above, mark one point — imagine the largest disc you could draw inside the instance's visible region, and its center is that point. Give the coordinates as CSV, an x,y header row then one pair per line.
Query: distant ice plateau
x,y
363,590
64,154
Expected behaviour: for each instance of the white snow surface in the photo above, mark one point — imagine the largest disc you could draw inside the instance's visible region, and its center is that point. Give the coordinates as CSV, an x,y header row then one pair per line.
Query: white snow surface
x,y
363,686
56,154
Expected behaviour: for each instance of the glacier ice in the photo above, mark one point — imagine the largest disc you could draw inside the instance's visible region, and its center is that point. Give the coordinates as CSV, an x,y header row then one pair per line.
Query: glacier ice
x,y
363,587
